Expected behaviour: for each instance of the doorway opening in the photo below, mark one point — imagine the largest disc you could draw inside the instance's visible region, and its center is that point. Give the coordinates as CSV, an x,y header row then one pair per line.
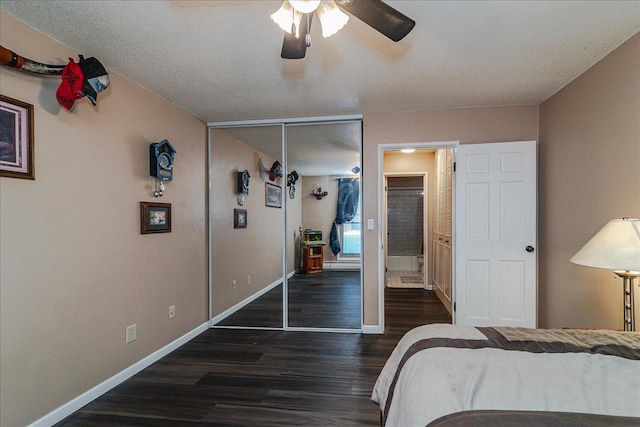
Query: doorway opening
x,y
406,231
416,210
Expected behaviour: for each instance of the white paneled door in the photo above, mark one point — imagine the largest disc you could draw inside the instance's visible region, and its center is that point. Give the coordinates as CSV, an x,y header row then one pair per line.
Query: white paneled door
x,y
496,234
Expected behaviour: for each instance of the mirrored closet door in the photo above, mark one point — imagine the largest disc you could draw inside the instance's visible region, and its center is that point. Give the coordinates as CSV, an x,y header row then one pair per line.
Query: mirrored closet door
x,y
246,226
323,226
273,261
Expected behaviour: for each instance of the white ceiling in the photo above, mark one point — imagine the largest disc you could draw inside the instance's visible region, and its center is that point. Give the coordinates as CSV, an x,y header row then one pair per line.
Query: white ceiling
x,y
220,60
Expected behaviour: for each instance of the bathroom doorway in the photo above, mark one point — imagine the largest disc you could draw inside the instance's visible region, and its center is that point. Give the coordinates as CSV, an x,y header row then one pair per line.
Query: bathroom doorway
x,y
406,230
426,161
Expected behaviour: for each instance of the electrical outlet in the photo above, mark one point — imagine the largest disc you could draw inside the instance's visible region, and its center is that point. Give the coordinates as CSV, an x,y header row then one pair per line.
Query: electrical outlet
x,y
172,312
233,284
131,333
248,280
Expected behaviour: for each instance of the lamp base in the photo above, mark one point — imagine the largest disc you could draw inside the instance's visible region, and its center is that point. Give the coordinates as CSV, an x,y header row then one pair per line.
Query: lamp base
x,y
628,312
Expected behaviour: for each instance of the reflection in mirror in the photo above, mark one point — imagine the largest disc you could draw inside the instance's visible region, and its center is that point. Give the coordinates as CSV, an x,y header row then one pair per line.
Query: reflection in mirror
x,y
246,245
324,281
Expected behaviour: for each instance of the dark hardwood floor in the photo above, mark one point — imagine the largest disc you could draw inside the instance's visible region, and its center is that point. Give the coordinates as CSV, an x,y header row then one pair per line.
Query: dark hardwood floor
x,y
264,312
235,377
327,300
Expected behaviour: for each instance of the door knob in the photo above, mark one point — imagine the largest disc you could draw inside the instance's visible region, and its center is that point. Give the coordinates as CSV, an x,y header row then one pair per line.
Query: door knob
x,y
529,249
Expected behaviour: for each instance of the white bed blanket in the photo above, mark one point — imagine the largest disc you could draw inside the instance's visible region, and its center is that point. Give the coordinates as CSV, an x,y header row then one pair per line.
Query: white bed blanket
x,y
508,369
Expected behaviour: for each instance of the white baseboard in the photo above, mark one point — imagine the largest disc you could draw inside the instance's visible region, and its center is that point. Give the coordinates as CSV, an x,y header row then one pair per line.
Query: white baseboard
x,y
87,397
372,329
228,312
341,265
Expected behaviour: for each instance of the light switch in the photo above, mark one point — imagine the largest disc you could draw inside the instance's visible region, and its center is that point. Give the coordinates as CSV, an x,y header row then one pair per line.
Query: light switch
x,y
370,224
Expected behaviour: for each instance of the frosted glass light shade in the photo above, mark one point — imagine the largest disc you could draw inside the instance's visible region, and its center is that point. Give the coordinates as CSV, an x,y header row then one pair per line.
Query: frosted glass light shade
x,y
331,17
285,16
305,6
615,247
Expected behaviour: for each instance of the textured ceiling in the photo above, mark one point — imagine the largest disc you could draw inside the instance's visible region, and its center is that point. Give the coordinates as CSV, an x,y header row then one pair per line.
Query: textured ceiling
x,y
220,60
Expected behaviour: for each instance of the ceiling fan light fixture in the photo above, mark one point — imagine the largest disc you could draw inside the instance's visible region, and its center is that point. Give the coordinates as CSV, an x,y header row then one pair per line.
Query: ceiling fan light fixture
x,y
287,18
331,17
305,6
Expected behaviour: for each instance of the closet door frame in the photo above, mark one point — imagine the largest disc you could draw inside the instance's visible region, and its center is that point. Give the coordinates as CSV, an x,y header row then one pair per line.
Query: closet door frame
x,y
284,122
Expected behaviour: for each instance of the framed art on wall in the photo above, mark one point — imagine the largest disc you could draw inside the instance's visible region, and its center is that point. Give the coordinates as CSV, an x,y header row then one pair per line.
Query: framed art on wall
x,y
272,195
239,218
155,217
16,139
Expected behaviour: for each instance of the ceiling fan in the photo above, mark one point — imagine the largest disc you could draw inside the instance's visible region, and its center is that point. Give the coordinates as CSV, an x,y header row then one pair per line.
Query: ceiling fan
x,y
295,17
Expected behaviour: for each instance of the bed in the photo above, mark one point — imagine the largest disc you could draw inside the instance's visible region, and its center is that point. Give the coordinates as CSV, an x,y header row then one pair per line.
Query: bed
x,y
457,372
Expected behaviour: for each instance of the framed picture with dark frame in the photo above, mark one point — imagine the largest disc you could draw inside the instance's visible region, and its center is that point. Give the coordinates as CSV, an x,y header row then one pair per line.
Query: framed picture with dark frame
x,y
16,139
155,217
239,218
272,195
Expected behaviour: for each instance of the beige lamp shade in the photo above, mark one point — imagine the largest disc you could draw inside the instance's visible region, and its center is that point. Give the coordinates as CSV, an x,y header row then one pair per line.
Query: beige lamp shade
x,y
615,247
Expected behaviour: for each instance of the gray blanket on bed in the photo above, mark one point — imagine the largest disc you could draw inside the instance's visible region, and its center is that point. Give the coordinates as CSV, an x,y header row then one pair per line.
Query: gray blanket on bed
x,y
437,370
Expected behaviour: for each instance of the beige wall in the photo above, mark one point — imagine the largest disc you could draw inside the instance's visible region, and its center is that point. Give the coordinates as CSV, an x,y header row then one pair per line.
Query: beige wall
x,y
254,251
589,174
475,125
75,270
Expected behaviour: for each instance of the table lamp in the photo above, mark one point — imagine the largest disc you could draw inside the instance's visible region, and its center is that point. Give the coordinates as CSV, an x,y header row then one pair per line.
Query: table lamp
x,y
616,247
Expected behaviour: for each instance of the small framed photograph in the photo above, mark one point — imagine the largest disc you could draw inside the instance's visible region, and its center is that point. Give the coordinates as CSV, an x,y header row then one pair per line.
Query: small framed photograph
x,y
239,218
155,217
16,139
272,195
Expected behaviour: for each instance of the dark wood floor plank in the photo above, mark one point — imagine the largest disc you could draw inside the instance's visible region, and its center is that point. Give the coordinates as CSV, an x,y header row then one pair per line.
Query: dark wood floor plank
x,y
236,377
328,300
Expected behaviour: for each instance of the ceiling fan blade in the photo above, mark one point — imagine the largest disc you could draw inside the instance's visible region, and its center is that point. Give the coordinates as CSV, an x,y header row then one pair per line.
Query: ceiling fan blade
x,y
380,16
295,47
